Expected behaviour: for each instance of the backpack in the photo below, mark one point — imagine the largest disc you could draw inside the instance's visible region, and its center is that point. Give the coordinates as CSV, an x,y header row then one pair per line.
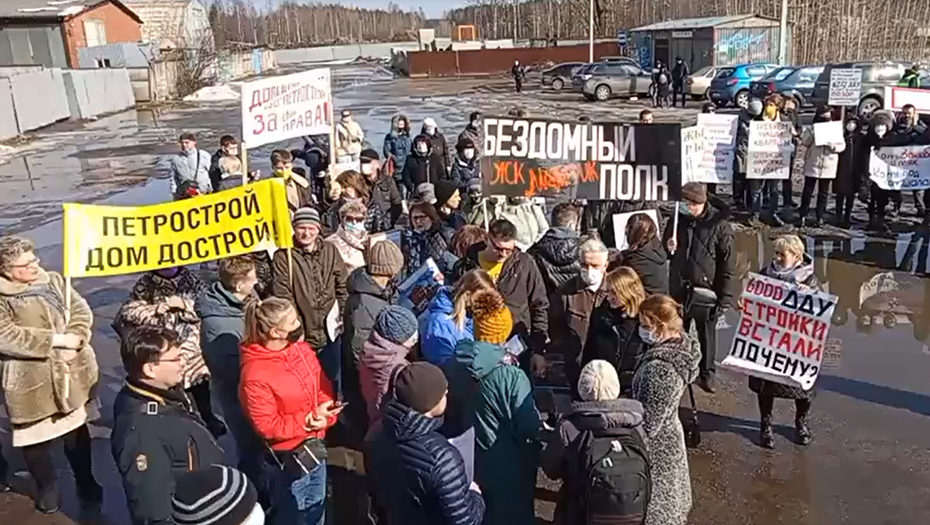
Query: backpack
x,y
617,476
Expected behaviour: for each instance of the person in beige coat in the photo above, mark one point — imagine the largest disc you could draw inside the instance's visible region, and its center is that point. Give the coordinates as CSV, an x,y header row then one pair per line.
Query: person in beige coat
x,y
820,163
49,371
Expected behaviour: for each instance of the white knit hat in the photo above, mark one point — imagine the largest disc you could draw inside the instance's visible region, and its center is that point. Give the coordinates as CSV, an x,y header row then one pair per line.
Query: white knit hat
x,y
598,382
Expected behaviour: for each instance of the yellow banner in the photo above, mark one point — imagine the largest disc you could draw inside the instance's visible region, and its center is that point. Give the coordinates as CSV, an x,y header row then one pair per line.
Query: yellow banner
x,y
115,240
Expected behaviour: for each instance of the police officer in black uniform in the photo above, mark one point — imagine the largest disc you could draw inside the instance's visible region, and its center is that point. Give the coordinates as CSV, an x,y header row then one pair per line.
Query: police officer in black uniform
x,y
157,432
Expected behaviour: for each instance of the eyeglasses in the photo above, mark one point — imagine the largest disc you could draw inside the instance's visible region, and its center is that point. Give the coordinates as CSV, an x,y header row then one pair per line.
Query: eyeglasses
x,y
34,262
503,250
418,218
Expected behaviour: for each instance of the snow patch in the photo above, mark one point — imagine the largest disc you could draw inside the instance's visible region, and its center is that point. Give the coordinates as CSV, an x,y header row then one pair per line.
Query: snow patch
x,y
220,93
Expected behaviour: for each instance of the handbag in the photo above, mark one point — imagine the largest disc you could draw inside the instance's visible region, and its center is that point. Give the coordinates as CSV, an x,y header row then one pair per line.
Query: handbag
x,y
692,428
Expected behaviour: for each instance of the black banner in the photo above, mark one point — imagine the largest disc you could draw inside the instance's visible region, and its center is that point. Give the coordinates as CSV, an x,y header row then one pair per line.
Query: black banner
x,y
581,160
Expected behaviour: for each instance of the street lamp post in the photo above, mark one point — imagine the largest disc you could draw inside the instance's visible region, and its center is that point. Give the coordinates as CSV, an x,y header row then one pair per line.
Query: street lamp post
x,y
591,32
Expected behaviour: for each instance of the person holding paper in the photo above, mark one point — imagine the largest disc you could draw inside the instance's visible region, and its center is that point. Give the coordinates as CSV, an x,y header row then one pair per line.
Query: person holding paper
x,y
447,320
879,126
793,265
426,239
911,130
820,163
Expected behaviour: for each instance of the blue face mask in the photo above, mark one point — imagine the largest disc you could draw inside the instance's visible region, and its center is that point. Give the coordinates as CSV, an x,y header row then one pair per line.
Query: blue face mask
x,y
683,209
647,336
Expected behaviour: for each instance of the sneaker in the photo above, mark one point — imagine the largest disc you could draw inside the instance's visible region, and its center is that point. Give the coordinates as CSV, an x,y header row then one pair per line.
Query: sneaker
x,y
706,383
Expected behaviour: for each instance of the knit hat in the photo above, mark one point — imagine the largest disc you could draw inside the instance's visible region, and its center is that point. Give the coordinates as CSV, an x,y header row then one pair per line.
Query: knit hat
x,y
694,192
385,259
396,324
429,122
214,495
420,386
427,193
474,185
598,381
306,217
444,191
493,320
368,155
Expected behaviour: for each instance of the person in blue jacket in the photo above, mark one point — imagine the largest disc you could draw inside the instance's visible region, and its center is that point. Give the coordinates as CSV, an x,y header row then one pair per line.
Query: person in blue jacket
x,y
446,321
397,144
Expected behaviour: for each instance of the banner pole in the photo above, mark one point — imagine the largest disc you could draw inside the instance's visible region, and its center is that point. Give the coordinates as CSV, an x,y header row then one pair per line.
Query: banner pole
x,y
675,225
290,267
244,154
484,208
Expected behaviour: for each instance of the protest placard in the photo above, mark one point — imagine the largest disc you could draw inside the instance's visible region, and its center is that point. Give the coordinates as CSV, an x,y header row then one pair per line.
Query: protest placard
x,y
828,133
845,87
716,164
418,289
901,168
898,97
115,240
577,160
338,168
280,108
770,148
692,152
782,332
620,222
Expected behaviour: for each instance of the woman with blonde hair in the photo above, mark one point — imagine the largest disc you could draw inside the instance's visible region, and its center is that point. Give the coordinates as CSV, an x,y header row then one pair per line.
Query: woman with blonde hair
x,y
614,332
447,321
289,401
790,264
669,364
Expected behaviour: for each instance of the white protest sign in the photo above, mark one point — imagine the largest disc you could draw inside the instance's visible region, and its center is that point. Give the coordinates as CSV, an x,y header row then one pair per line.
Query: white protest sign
x,y
620,222
770,149
828,133
782,332
901,168
692,150
716,165
845,87
281,108
898,97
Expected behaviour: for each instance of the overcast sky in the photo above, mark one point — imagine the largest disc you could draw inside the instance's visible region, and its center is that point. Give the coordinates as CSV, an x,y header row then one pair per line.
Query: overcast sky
x,y
432,8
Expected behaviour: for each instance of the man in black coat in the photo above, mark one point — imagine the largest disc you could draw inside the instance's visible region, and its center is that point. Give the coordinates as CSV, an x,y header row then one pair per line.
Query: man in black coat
x,y
384,190
702,269
679,74
157,435
556,252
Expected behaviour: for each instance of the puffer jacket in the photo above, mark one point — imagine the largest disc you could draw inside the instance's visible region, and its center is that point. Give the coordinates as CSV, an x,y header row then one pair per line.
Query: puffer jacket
x,y
420,169
650,264
222,322
556,255
463,171
37,383
803,275
318,282
378,361
599,215
420,476
397,145
279,388
705,256
604,418
506,433
820,162
660,381
613,336
438,331
352,248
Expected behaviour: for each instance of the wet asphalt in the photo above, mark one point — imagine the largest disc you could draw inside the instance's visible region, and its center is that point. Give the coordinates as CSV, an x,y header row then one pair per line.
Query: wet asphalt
x,y
871,416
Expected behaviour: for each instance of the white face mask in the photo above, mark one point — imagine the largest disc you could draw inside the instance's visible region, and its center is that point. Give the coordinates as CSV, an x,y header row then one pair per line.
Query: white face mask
x,y
469,153
647,336
592,277
850,127
422,148
257,517
367,169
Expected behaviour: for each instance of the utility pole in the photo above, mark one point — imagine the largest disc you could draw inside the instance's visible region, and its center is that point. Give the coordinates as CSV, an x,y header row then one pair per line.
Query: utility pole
x,y
514,21
591,32
783,34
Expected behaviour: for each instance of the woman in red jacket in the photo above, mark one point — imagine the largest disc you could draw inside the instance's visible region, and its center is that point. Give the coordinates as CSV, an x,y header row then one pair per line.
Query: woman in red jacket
x,y
290,403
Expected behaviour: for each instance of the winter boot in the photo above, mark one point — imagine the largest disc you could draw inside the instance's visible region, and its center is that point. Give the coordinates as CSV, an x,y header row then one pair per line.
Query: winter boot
x,y
802,433
767,438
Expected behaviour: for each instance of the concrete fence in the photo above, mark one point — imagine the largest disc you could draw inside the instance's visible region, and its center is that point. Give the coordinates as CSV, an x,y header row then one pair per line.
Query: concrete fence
x,y
93,92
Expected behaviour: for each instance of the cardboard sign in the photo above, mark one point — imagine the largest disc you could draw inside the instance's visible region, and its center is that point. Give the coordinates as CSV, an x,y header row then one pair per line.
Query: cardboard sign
x,y
901,168
898,97
620,222
418,290
719,152
692,151
828,133
580,160
770,149
782,332
281,108
845,87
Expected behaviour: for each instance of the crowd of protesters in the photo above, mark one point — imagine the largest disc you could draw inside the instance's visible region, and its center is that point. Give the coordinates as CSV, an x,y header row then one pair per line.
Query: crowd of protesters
x,y
440,401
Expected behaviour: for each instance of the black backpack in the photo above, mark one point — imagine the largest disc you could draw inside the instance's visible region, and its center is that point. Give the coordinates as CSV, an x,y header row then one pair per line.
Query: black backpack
x,y
614,467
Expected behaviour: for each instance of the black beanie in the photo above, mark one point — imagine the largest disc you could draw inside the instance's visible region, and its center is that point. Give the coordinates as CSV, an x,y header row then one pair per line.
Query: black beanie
x,y
420,386
444,191
214,495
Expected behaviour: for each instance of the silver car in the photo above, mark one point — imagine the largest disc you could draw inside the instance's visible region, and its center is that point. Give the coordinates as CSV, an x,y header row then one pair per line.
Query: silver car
x,y
608,80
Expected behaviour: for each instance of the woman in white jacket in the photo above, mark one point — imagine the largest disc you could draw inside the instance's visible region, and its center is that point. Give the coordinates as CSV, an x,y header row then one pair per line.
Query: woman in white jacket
x,y
820,163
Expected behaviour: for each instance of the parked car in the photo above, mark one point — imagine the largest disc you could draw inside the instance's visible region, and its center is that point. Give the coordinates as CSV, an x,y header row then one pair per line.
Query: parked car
x,y
876,76
731,85
621,60
699,82
581,75
616,79
560,75
791,81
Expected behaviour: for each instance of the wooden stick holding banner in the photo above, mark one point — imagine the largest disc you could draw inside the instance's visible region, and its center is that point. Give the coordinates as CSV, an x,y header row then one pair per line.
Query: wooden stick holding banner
x,y
290,266
484,208
675,227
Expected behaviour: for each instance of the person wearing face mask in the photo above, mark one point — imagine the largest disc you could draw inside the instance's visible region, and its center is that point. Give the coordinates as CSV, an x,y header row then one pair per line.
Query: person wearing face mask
x,y
518,73
790,264
447,205
820,164
291,404
397,144
157,436
765,193
216,495
473,131
190,167
875,138
422,166
789,113
741,194
645,254
556,252
351,237
296,186
702,268
614,332
572,304
166,297
668,365
911,130
679,74
313,277
381,186
847,182
465,166
349,138
356,186
439,147
221,309
425,239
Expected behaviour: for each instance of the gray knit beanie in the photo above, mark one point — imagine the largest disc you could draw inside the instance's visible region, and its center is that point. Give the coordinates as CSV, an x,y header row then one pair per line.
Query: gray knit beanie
x,y
396,324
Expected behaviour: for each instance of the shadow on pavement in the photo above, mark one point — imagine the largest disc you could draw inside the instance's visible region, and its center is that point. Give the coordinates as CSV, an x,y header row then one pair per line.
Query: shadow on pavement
x,y
880,395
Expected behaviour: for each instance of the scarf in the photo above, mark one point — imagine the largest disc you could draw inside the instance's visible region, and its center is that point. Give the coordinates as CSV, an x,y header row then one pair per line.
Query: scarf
x,y
46,293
